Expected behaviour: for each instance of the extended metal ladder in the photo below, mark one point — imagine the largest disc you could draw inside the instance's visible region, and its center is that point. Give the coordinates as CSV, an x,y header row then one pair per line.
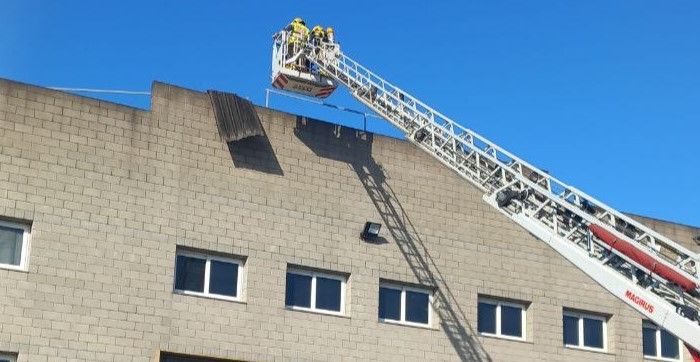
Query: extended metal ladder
x,y
555,212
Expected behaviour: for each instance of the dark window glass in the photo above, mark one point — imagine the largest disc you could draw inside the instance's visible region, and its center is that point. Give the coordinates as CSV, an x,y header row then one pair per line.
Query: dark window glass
x,y
223,278
417,307
389,303
168,358
11,245
487,318
669,345
190,273
592,333
570,330
511,321
298,290
165,357
328,294
649,341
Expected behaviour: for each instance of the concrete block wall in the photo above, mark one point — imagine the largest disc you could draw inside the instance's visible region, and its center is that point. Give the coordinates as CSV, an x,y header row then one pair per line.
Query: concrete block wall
x,y
686,235
111,191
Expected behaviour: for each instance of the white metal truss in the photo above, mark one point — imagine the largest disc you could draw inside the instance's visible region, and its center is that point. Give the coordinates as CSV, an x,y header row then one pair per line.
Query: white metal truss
x,y
555,212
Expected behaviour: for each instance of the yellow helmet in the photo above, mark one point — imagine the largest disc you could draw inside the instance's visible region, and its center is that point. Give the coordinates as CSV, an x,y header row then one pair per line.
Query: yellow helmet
x,y
318,28
329,30
297,20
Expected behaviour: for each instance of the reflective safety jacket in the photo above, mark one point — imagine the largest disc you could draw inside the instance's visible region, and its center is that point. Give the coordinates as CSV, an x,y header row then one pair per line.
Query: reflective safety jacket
x,y
318,32
299,32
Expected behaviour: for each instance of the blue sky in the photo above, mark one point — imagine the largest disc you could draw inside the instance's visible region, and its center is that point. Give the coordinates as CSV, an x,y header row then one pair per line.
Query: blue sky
x,y
605,95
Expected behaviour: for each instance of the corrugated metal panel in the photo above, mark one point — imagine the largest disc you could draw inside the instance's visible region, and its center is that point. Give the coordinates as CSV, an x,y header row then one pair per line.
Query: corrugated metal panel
x,y
236,117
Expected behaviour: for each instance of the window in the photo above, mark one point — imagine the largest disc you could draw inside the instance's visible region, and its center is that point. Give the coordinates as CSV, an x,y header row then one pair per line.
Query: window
x,y
583,330
659,344
404,304
315,291
14,245
207,275
172,357
501,319
8,357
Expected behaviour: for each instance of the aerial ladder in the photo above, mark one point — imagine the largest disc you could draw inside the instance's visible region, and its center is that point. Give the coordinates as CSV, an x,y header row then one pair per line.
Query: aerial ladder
x,y
653,274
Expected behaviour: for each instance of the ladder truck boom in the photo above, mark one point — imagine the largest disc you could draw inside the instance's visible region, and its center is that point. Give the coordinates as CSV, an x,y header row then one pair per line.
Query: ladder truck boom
x,y
650,272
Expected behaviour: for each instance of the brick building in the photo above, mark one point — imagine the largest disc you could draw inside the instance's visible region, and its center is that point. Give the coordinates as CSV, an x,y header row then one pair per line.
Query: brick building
x,y
138,235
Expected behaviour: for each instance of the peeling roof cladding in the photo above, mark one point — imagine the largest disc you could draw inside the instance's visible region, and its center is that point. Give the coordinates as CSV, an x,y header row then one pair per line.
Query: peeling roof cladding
x,y
236,117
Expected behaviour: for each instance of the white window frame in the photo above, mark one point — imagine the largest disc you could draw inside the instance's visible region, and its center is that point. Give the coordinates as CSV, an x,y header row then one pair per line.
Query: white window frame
x,y
404,288
12,357
580,316
207,270
657,334
315,274
498,303
26,240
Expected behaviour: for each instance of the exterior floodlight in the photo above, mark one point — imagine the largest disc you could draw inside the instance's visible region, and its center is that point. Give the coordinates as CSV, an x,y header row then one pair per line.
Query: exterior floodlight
x,y
371,230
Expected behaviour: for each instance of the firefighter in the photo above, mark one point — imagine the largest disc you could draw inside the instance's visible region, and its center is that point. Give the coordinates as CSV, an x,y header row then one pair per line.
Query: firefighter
x,y
317,35
330,37
299,33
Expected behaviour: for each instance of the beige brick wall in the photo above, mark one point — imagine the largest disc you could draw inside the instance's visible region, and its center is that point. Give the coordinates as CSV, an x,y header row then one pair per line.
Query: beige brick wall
x,y
111,191
684,234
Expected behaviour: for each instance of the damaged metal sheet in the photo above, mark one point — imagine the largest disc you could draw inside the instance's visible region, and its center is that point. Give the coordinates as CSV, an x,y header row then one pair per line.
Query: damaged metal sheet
x,y
236,117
